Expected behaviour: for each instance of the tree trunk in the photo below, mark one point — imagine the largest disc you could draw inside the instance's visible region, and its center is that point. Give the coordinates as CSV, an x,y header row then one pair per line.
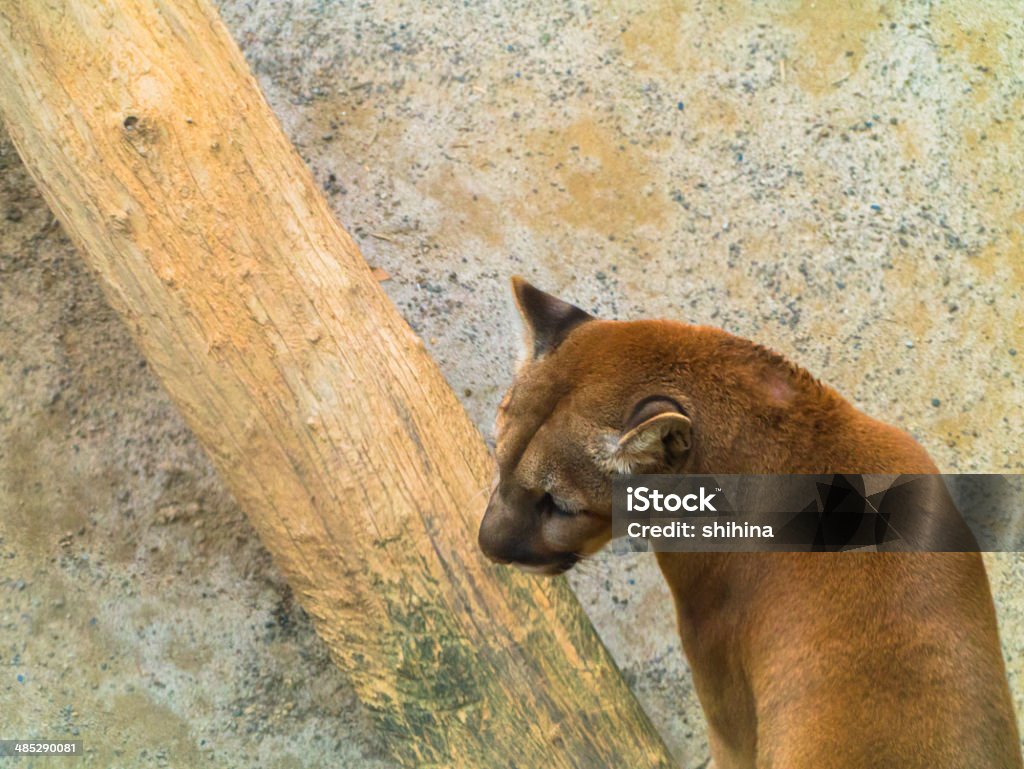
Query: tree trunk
x,y
149,138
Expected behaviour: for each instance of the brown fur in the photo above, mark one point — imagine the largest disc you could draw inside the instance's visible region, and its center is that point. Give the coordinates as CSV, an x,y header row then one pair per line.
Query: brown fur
x,y
847,661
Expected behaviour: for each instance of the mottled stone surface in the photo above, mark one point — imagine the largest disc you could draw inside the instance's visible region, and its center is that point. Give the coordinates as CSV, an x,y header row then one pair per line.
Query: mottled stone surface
x,y
844,187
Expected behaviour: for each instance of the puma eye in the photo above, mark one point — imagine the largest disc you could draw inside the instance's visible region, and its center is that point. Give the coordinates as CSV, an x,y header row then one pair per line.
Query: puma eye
x,y
552,504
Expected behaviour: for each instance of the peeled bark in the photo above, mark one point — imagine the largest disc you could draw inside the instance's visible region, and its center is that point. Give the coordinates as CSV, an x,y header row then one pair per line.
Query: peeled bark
x,y
363,476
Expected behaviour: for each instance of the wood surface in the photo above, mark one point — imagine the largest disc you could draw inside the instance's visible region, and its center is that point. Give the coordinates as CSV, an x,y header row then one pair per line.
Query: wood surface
x,y
320,408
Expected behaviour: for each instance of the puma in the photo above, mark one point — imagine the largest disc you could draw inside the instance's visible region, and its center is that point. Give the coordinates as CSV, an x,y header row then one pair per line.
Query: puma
x,y
800,660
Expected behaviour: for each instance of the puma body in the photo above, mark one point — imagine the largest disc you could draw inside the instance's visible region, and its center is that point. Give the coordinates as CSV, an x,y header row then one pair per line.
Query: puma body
x,y
800,660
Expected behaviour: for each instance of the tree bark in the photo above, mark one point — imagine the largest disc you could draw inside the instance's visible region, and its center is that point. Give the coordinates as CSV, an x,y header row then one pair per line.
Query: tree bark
x,y
148,136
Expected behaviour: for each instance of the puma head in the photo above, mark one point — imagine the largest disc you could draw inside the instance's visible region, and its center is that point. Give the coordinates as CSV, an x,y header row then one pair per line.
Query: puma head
x,y
593,398
584,405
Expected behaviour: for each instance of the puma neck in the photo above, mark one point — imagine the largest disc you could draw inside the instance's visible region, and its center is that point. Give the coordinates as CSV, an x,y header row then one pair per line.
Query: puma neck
x,y
756,412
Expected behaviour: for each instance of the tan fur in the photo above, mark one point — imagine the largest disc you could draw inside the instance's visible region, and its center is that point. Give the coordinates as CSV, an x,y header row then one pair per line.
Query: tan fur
x,y
800,661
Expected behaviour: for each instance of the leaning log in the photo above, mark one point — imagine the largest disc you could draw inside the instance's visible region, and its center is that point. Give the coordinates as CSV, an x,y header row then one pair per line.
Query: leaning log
x,y
319,407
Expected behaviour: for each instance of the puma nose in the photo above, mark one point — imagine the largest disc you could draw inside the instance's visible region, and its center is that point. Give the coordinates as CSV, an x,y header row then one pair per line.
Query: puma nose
x,y
489,539
503,552
489,549
496,537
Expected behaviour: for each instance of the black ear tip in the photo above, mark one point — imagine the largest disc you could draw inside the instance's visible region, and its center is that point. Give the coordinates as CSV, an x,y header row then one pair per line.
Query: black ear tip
x,y
539,307
548,318
524,291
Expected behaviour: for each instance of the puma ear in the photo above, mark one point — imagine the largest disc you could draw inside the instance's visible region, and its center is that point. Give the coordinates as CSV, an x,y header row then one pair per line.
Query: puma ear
x,y
548,319
657,438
